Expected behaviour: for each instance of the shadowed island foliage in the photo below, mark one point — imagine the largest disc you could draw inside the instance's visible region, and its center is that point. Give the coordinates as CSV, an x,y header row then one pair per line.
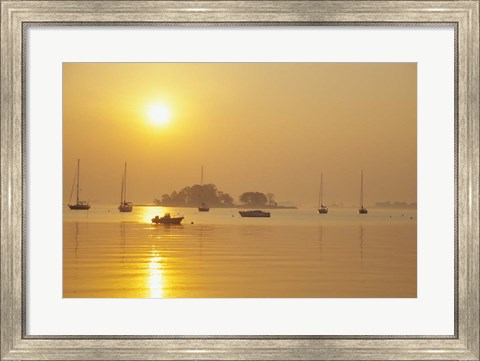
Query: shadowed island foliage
x,y
192,196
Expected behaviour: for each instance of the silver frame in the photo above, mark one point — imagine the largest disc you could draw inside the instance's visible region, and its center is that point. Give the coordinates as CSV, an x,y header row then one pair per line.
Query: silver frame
x,y
16,345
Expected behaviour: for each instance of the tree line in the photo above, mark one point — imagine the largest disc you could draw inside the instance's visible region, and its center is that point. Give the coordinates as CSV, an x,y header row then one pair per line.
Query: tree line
x,y
193,196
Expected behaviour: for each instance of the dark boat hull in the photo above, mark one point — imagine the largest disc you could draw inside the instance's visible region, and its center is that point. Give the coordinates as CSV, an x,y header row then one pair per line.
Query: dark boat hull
x,y
79,207
323,210
254,214
203,209
362,211
172,220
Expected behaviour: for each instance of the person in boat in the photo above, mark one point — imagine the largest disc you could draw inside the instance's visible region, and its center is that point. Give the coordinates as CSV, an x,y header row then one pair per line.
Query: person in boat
x,y
166,215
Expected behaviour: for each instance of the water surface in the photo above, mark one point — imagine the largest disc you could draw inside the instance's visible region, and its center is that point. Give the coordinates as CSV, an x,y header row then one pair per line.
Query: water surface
x,y
295,253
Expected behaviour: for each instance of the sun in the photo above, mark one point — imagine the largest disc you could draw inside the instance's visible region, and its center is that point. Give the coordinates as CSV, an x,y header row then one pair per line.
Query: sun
x,y
159,114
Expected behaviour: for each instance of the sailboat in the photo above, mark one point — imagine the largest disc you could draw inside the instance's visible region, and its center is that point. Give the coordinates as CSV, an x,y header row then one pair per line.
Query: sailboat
x,y
124,205
362,209
80,205
203,207
322,209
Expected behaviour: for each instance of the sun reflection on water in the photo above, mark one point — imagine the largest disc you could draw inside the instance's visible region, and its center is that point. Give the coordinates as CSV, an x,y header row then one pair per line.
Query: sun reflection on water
x,y
156,282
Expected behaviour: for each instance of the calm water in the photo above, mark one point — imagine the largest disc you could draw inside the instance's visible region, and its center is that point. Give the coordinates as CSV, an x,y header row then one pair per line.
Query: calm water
x,y
295,253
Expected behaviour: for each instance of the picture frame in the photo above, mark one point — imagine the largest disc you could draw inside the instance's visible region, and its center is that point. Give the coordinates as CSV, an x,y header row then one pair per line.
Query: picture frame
x,y
17,345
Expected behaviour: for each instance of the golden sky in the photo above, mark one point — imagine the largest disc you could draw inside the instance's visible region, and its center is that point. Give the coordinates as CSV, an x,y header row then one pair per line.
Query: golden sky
x,y
268,127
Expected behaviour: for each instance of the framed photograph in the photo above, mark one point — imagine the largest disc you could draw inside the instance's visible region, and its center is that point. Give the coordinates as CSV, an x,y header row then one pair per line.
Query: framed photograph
x,y
239,180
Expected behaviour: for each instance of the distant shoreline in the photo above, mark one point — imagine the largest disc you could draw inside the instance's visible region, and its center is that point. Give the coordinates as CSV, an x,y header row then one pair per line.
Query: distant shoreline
x,y
234,206
371,206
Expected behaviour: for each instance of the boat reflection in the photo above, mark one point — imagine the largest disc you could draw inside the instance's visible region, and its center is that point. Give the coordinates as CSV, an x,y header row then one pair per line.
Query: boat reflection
x,y
76,242
361,245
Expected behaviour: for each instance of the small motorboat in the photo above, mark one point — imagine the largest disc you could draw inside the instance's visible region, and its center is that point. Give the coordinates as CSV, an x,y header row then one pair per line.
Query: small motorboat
x,y
167,219
256,213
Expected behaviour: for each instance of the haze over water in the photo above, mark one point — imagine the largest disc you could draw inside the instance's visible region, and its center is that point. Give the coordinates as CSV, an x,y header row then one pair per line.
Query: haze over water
x,y
267,127
271,128
295,253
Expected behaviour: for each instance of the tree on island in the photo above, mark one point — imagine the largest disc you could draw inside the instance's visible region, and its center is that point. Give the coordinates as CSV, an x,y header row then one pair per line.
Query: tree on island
x,y
193,196
271,199
225,198
257,199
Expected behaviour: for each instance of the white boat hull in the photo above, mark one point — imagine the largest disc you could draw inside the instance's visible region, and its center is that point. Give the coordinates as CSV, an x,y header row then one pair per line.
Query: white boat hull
x,y
125,208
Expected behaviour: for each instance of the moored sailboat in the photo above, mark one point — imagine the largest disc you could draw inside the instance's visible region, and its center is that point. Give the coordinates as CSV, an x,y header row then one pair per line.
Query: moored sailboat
x,y
322,209
79,205
362,209
124,205
203,207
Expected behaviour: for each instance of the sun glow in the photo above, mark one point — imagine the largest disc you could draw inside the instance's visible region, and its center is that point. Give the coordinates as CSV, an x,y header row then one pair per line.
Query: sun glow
x,y
150,212
159,114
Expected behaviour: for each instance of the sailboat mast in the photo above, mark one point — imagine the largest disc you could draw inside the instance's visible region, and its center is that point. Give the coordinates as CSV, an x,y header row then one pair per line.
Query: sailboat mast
x,y
121,192
361,190
78,179
125,183
321,189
